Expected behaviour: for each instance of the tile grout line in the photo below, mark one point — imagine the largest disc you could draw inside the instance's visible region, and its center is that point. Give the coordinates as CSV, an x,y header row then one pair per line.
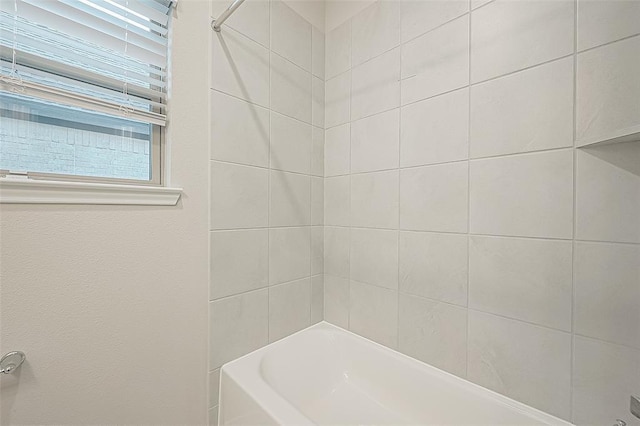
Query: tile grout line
x,y
473,234
462,160
349,301
495,314
269,189
210,76
265,108
468,191
480,82
399,186
311,190
609,43
258,289
574,212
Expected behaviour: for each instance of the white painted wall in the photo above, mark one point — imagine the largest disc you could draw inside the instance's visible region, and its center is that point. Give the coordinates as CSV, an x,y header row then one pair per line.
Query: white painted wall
x,y
110,303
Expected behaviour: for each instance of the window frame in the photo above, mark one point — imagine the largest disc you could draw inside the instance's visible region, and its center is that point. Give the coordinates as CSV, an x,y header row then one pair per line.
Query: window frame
x,y
157,143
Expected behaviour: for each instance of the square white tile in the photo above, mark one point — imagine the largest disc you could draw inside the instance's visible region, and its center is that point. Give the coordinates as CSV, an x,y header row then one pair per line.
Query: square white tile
x,y
337,100
239,261
601,22
435,130
290,89
528,195
317,299
336,251
290,144
434,266
337,201
419,16
239,196
338,50
375,30
436,62
374,200
608,90
317,106
317,250
251,20
435,198
336,301
375,85
337,148
290,35
531,110
507,35
607,292
528,363
289,308
375,142
240,67
604,375
477,3
373,313
525,279
317,53
238,325
317,200
434,332
239,131
214,385
374,257
289,254
290,201
317,151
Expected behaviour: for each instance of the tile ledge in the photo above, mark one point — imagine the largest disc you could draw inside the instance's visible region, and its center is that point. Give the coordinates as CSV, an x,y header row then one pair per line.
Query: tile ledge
x,y
32,191
630,134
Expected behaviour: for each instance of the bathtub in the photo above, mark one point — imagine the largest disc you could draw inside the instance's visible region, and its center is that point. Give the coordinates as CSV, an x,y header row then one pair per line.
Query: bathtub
x,y
325,375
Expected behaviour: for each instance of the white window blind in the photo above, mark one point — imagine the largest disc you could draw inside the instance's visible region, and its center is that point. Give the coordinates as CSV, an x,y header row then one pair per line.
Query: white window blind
x,y
106,56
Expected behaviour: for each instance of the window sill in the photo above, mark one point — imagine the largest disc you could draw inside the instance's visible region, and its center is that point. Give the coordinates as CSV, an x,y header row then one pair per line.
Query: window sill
x,y
31,191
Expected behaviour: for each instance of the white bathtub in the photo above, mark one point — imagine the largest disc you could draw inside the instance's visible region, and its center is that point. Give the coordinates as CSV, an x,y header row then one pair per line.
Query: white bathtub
x,y
325,375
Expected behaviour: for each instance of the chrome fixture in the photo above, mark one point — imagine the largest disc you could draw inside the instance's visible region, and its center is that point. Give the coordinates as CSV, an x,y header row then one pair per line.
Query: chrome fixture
x,y
216,23
635,406
9,362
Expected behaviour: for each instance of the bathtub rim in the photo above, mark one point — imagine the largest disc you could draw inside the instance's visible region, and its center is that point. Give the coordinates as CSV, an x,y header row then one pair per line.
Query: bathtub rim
x,y
232,371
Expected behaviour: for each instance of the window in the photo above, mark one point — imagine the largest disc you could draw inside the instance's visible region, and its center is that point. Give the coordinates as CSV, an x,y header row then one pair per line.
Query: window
x,y
82,89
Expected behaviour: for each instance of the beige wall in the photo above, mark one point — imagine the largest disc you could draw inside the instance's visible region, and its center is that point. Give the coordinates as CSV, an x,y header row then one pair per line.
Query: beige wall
x,y
110,303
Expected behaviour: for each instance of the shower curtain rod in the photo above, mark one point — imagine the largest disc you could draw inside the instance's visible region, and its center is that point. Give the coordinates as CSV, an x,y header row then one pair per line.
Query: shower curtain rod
x,y
216,23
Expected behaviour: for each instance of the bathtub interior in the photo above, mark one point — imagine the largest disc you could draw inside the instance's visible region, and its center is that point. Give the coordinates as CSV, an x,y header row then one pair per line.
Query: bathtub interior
x,y
334,377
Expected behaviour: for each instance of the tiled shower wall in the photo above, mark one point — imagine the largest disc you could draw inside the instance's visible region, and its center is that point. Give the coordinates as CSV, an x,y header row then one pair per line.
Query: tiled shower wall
x,y
267,136
463,226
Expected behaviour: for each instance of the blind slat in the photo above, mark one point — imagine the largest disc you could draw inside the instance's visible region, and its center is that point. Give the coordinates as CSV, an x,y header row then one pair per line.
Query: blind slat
x,y
135,17
145,8
73,23
64,51
42,91
67,52
88,53
33,63
59,83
